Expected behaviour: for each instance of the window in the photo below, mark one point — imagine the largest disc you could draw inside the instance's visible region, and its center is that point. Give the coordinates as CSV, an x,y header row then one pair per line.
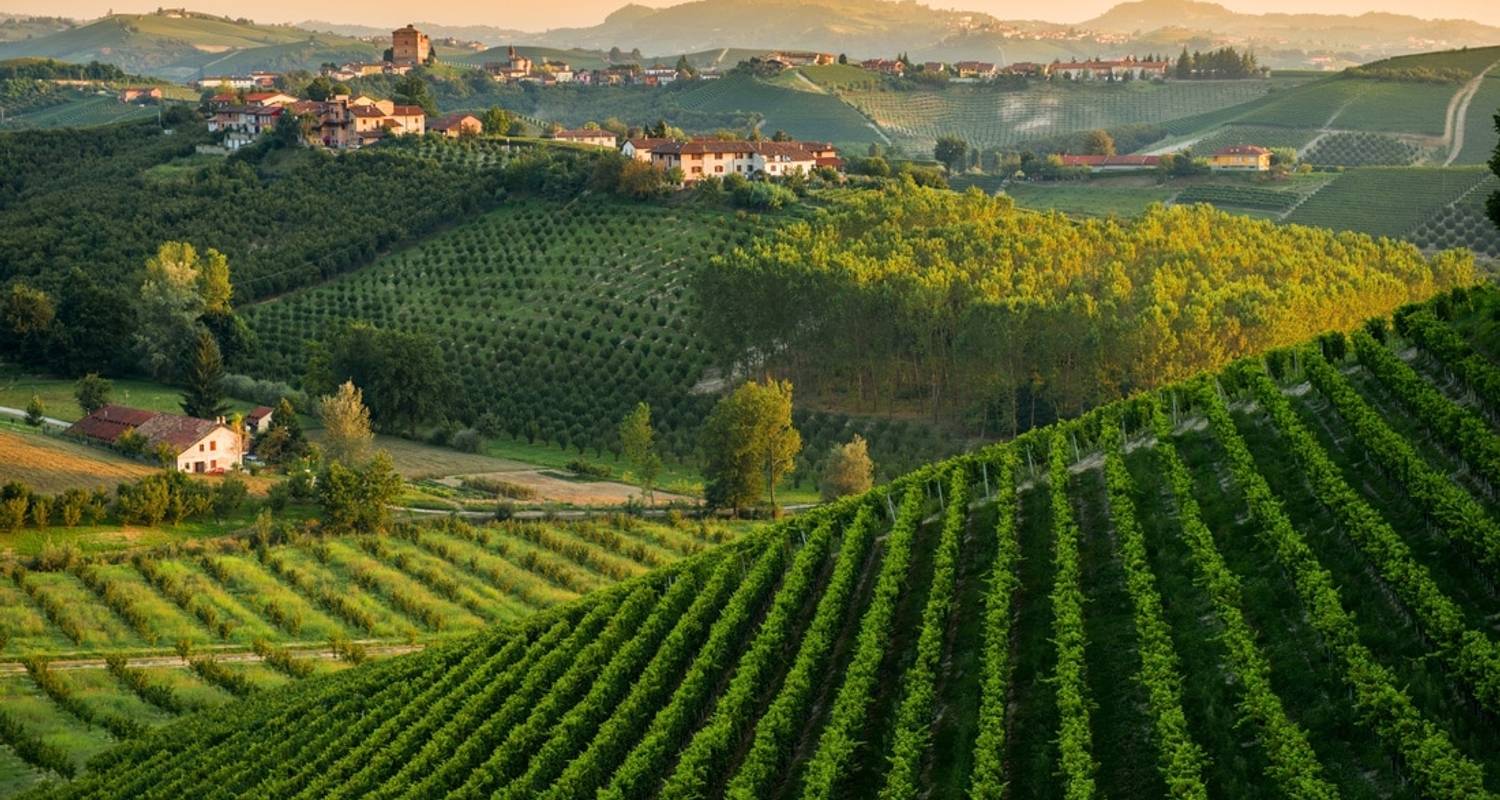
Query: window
x,y
719,168
697,170
200,447
213,464
213,444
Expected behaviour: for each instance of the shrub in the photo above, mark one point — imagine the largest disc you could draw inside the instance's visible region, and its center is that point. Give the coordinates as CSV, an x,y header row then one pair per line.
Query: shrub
x,y
589,469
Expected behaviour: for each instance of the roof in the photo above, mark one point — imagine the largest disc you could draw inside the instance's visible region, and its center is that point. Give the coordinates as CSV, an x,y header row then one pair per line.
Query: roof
x,y
108,422
451,121
1110,161
408,111
258,413
1242,150
648,143
176,430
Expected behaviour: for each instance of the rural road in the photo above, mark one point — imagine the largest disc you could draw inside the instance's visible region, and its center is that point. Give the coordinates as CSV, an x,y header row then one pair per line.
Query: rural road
x,y
21,414
235,657
1458,118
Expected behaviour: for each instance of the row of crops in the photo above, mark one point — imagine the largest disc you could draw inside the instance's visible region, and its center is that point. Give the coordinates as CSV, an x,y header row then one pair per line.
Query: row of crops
x,y
989,117
1239,196
803,114
558,318
282,602
1201,592
1360,149
1262,135
1358,105
1385,201
1462,223
81,112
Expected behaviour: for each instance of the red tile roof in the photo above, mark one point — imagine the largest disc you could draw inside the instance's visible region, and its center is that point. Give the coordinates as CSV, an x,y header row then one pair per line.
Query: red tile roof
x,y
258,413
583,134
1110,161
176,430
451,121
107,423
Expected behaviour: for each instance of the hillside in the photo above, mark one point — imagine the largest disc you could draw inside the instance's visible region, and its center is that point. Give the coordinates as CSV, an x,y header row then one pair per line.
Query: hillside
x,y
184,47
252,619
1380,33
1198,587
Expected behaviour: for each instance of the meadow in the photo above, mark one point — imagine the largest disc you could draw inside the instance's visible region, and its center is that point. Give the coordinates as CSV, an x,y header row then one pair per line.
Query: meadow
x,y
1198,592
98,649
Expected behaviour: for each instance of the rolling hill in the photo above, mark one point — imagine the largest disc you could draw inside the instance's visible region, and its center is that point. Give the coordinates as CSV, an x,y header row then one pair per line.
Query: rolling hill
x,y
1196,592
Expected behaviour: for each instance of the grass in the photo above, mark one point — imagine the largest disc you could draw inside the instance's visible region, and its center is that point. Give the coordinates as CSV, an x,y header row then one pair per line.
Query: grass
x,y
17,388
1480,137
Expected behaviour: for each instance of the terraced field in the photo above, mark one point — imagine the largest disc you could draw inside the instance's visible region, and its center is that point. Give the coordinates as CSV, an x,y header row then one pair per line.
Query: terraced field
x,y
252,619
990,117
1201,592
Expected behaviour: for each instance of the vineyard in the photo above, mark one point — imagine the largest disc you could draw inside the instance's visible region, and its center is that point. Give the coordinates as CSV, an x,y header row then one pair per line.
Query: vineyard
x,y
1236,196
1462,223
80,112
1358,105
292,604
1201,592
1480,136
1262,135
987,117
1356,149
559,318
1384,201
803,114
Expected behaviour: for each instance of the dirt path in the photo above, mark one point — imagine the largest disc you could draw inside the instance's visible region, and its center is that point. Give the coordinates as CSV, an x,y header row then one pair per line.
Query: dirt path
x,y
228,657
1458,115
811,87
21,414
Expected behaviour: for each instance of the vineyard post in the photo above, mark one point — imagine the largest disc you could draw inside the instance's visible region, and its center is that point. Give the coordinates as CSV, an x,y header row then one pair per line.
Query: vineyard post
x,y
984,467
890,508
941,502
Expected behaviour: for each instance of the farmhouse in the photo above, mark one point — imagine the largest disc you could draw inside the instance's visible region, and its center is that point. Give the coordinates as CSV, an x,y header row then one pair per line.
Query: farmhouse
x,y
594,137
1109,70
258,420
198,445
346,123
1111,163
980,70
241,124
139,94
1241,157
456,125
410,46
704,158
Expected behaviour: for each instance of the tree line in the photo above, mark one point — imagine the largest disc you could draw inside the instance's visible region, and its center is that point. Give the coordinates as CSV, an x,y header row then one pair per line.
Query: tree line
x,y
994,319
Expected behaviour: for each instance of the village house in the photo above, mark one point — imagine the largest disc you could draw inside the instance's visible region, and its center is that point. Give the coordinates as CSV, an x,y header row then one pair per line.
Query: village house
x,y
197,445
799,58
640,148
243,124
658,75
347,123
410,46
1029,69
515,68
456,125
1241,157
1111,163
885,66
258,420
977,70
594,137
140,94
223,82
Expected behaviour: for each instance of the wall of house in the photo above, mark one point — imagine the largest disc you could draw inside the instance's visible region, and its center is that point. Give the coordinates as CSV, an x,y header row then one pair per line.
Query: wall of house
x,y
218,451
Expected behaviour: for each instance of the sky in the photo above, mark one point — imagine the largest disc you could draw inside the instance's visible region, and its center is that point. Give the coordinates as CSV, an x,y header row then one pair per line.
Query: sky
x,y
534,15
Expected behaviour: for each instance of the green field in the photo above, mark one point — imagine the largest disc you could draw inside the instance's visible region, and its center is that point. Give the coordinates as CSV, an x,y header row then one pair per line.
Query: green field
x,y
1262,135
226,601
1199,586
1480,137
991,117
1384,201
1094,201
1362,105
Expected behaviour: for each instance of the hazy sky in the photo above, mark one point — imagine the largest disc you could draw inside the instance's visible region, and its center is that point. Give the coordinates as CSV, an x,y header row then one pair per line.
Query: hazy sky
x,y
538,15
